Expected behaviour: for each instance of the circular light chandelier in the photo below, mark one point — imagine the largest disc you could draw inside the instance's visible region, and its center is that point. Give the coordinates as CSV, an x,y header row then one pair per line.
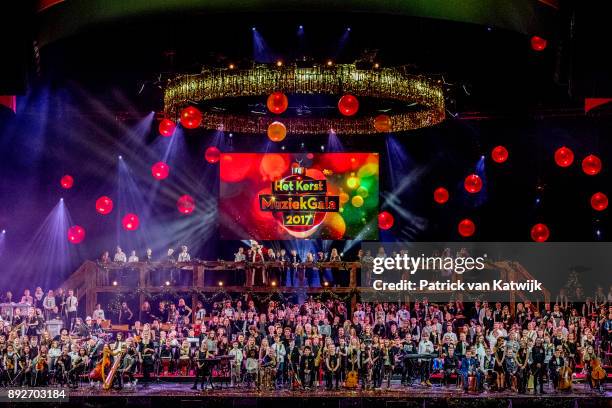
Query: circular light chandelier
x,y
384,84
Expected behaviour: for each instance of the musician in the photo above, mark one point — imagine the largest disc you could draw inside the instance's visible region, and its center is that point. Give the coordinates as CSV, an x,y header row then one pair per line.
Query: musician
x,y
425,347
332,367
450,365
146,349
511,369
307,368
78,367
408,348
469,366
538,354
62,365
32,323
365,365
251,354
128,364
280,352
522,371
554,366
203,371
499,352
72,304
120,256
10,364
294,261
24,377
118,344
41,368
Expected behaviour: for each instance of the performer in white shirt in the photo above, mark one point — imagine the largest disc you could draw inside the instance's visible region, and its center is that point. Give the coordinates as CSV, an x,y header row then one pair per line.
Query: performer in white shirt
x,y
120,256
72,304
48,304
184,255
133,257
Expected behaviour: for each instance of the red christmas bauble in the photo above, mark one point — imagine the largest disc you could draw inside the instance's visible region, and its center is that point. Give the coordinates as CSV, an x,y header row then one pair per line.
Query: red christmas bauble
x,y
166,127
473,183
591,165
185,204
191,117
385,220
348,105
160,170
538,43
466,227
212,154
130,222
76,234
499,154
277,102
104,205
441,195
564,157
277,131
599,201
540,233
67,181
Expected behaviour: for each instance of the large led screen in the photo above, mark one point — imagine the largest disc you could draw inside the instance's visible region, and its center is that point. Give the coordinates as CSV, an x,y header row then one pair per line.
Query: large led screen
x,y
279,196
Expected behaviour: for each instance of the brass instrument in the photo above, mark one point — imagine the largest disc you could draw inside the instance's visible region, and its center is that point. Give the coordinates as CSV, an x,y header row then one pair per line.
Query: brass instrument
x,y
108,381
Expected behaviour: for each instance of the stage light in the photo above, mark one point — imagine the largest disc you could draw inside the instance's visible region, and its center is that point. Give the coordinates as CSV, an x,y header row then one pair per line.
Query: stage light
x,y
282,147
376,65
62,199
348,28
253,28
4,231
231,66
322,148
279,63
167,283
330,63
273,283
301,27
120,157
220,283
231,135
114,283
325,283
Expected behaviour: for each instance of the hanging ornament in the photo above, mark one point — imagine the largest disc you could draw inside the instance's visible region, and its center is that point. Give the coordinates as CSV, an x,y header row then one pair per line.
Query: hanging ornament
x,y
591,165
348,105
191,117
538,43
473,183
564,157
499,154
599,201
540,233
466,228
212,154
104,205
130,222
166,127
382,123
385,220
160,170
277,131
67,181
277,102
185,204
440,195
76,234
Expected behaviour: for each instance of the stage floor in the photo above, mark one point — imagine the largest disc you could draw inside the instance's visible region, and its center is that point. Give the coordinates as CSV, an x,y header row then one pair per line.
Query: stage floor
x,y
181,395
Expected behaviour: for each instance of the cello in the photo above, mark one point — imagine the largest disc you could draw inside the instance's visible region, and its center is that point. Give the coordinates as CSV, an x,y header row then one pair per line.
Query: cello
x,y
597,372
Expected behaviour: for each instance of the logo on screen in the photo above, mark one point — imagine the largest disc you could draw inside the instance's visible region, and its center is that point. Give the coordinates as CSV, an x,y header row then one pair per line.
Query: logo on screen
x,y
299,202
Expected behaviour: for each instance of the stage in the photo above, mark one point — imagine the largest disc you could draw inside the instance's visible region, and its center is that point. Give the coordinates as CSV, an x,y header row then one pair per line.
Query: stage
x,y
181,395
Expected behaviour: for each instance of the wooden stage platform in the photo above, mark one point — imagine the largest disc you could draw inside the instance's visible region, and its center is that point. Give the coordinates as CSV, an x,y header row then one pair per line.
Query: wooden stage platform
x,y
176,395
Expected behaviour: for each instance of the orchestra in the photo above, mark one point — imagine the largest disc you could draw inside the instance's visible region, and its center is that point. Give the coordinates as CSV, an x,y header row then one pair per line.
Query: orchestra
x,y
312,345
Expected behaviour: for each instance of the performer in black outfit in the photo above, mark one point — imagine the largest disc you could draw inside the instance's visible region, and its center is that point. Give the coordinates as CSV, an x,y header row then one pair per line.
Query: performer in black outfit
x,y
203,372
538,367
307,368
451,362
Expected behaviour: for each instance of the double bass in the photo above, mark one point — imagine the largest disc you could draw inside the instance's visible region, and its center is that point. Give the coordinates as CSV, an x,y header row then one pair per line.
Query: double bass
x,y
565,378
